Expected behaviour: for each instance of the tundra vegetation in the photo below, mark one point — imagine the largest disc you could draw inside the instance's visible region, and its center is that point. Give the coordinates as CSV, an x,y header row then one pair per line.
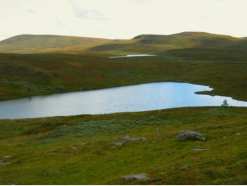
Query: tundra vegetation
x,y
80,149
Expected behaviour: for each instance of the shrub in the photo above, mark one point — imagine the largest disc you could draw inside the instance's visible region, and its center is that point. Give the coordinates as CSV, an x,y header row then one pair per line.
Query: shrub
x,y
225,104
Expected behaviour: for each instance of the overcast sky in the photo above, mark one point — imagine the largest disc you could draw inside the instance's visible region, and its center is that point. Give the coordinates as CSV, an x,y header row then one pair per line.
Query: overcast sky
x,y
121,19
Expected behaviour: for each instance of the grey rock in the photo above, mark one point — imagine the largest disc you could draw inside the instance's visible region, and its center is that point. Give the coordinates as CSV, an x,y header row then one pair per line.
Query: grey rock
x,y
183,168
4,163
159,133
191,136
200,127
133,177
196,150
74,148
127,139
56,171
6,157
64,126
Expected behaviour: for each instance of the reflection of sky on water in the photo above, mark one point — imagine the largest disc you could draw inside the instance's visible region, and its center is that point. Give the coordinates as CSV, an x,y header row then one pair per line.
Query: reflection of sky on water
x,y
133,55
144,97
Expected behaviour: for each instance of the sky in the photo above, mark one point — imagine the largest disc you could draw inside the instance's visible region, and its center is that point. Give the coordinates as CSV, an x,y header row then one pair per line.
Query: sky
x,y
121,19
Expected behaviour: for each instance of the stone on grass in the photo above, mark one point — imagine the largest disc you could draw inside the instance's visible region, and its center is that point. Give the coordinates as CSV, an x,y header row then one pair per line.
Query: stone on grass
x,y
133,177
196,150
127,139
183,168
200,127
74,148
4,163
56,171
191,136
5,157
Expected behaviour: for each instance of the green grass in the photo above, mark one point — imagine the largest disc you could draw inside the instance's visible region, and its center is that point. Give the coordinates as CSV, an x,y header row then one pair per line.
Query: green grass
x,y
41,146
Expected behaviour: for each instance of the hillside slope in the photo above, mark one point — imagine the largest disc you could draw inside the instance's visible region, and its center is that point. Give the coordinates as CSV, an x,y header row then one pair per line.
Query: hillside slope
x,y
139,44
47,43
159,43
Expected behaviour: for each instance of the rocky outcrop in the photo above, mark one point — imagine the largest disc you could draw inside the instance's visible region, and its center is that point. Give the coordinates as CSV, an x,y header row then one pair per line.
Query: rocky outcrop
x,y
191,136
133,177
197,150
127,139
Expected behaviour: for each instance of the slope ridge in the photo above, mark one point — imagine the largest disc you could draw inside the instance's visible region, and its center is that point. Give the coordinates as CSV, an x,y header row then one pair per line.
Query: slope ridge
x,y
47,43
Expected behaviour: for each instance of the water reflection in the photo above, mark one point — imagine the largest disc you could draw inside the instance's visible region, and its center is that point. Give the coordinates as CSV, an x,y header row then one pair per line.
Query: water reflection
x,y
144,97
133,55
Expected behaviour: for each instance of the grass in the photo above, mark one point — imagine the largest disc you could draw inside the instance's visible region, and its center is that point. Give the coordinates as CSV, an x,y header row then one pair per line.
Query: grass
x,y
39,147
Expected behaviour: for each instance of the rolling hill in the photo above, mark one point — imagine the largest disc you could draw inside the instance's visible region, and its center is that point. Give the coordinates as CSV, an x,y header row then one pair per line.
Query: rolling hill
x,y
139,44
47,43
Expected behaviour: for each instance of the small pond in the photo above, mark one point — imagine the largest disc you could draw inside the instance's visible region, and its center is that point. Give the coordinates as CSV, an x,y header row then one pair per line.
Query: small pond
x,y
143,97
133,55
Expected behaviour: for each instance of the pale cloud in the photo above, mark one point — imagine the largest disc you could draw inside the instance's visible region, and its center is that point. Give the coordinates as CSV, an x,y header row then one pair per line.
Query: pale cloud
x,y
121,19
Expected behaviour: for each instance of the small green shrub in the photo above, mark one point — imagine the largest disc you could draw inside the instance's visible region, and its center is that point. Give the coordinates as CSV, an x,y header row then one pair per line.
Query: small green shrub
x,y
225,104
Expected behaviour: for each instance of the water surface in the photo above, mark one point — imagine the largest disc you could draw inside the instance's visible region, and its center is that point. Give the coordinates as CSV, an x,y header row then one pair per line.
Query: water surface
x,y
144,97
133,55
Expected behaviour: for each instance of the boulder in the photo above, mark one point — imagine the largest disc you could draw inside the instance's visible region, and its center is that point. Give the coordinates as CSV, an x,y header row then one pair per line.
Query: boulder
x,y
196,150
4,163
133,177
6,157
127,139
191,136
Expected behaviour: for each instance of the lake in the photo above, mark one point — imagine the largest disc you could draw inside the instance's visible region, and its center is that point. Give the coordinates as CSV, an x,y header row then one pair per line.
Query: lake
x,y
133,55
143,97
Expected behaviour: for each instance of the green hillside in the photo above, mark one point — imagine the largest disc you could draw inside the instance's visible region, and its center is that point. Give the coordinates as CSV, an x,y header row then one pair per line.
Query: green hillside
x,y
47,43
159,43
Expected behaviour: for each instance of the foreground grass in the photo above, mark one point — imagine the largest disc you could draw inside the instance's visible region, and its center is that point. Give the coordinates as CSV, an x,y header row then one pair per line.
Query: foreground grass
x,y
45,152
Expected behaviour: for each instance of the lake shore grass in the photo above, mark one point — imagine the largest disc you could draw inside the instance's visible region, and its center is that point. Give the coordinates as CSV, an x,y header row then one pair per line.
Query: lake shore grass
x,y
45,151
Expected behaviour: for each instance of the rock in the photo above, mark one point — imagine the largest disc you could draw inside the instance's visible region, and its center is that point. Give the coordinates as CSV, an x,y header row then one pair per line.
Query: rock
x,y
200,127
6,157
191,136
224,137
74,148
13,183
183,168
56,171
133,177
4,163
64,126
127,139
159,133
196,150
238,134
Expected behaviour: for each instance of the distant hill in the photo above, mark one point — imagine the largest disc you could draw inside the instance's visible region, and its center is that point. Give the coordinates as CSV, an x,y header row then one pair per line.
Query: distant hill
x,y
47,43
139,44
160,43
